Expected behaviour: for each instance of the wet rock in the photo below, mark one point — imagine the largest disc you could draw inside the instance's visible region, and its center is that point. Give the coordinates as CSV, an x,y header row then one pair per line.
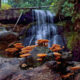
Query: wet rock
x,y
8,62
39,49
9,68
6,38
67,56
39,73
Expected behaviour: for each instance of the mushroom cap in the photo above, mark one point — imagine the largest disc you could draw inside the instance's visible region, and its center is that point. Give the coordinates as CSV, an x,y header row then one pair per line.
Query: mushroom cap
x,y
57,54
27,48
55,48
33,46
42,41
55,45
41,55
75,68
17,44
25,51
45,41
58,48
24,65
58,62
63,47
67,75
11,50
39,59
25,55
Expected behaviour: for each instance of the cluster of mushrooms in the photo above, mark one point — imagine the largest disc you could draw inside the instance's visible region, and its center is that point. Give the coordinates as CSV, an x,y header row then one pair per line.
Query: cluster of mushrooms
x,y
24,52
14,49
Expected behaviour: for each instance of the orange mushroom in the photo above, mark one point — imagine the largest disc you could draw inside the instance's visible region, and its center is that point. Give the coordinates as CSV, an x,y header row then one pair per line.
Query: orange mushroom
x,y
25,55
27,48
17,44
39,59
75,68
41,55
11,50
55,48
42,42
57,54
25,51
45,40
33,46
67,75
58,48
58,62
55,45
63,47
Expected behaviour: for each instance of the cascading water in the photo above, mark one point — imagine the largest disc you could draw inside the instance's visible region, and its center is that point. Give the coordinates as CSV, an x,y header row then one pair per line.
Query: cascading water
x,y
44,29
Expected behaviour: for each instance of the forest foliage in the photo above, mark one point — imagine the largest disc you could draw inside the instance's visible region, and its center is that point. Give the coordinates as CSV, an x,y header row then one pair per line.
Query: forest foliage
x,y
62,7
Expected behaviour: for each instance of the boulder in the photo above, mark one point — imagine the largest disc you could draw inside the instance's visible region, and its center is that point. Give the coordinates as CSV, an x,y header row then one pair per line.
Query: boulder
x,y
7,38
9,68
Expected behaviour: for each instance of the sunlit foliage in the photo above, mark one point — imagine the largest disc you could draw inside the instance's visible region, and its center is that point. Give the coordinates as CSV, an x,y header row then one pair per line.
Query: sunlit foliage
x,y
5,6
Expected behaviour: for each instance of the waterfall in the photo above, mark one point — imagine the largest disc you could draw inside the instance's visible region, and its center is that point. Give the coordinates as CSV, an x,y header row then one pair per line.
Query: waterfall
x,y
44,29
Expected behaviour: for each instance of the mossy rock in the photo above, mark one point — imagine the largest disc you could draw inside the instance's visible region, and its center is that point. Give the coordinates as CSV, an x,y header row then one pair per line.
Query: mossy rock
x,y
31,61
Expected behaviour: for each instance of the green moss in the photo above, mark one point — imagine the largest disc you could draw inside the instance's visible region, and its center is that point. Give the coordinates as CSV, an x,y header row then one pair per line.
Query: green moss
x,y
62,23
27,27
72,39
5,6
30,25
75,17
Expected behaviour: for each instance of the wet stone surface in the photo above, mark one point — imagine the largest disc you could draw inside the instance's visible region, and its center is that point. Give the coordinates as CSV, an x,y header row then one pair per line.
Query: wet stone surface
x,y
9,68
